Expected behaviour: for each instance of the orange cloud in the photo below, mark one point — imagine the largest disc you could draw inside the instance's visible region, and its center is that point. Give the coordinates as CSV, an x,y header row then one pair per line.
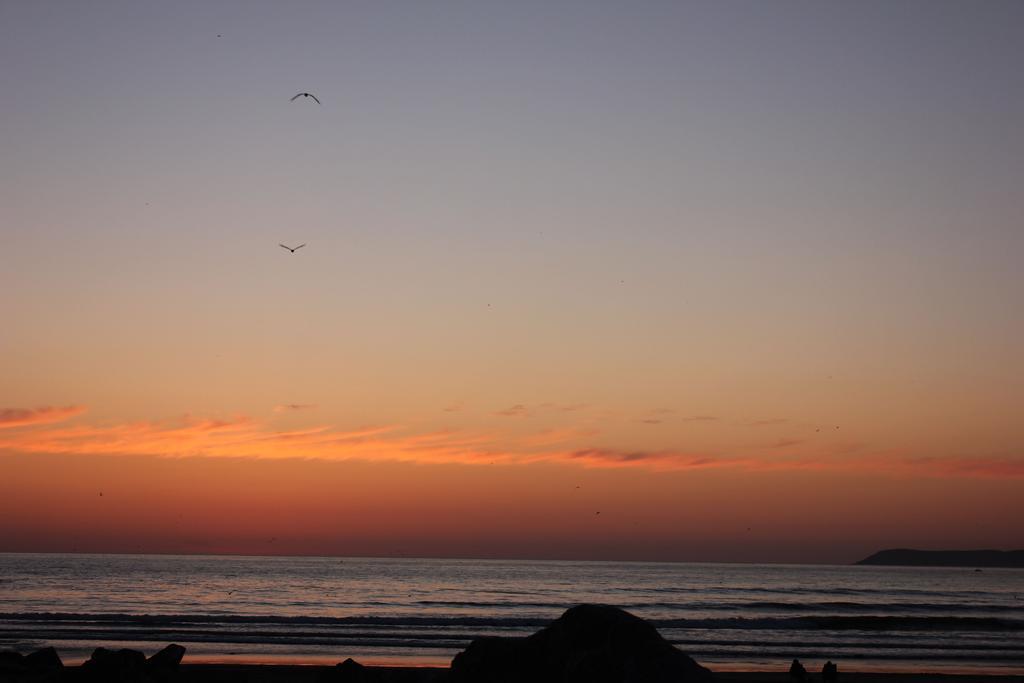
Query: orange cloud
x,y
243,437
606,457
26,417
518,410
964,466
291,407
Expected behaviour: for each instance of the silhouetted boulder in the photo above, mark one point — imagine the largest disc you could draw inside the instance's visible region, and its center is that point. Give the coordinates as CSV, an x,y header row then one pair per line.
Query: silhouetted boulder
x,y
829,672
350,671
116,666
167,659
45,659
587,644
11,662
797,671
163,666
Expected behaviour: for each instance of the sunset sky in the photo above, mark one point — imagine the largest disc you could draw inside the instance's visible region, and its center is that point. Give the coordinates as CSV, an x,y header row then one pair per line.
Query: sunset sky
x,y
743,277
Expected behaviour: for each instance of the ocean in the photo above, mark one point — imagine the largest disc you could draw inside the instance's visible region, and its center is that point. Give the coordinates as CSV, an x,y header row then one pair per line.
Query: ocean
x,y
415,612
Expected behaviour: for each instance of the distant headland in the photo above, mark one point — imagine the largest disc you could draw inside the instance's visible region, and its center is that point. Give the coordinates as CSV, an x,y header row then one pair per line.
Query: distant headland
x,y
903,557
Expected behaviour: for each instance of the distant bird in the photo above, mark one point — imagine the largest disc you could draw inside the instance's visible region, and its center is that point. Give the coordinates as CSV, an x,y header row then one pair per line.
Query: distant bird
x,y
305,94
291,249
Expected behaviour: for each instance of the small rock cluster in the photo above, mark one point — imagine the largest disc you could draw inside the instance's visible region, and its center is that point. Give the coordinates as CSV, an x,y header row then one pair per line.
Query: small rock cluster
x,y
105,666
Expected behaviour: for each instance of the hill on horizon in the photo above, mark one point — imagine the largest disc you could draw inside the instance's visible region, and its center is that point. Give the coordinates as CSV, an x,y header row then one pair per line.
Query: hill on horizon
x,y
905,557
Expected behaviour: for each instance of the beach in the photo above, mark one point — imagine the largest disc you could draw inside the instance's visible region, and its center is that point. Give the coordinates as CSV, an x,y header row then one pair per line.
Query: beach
x,y
276,673
214,673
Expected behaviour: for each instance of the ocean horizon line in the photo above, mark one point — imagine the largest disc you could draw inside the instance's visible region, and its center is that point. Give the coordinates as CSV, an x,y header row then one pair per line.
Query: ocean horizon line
x,y
459,558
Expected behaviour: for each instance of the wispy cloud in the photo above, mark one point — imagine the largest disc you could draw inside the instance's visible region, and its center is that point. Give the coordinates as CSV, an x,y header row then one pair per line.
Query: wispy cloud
x,y
655,417
563,407
700,418
967,466
26,417
518,410
662,460
292,407
242,437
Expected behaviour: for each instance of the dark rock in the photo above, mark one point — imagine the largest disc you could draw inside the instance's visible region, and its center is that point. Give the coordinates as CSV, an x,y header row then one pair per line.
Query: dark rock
x,y
45,659
587,644
11,662
167,659
829,672
495,660
163,666
350,671
797,671
116,666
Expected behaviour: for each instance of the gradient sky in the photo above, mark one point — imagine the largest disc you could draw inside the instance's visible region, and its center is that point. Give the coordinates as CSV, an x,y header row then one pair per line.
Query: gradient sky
x,y
743,277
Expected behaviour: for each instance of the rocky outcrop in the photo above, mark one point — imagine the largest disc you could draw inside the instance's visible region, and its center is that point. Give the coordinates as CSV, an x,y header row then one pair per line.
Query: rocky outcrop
x,y
163,666
167,659
587,644
41,665
131,666
905,557
11,663
350,671
116,666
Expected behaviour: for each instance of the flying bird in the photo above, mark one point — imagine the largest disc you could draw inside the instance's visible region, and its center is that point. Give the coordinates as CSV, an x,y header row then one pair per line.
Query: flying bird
x,y
305,94
293,250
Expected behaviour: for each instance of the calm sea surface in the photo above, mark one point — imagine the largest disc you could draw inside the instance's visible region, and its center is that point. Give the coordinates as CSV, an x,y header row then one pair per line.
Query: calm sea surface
x,y
415,612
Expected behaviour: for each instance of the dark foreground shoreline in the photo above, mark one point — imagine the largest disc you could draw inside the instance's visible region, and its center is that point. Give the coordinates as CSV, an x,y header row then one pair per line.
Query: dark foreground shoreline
x,y
318,673
295,673
587,643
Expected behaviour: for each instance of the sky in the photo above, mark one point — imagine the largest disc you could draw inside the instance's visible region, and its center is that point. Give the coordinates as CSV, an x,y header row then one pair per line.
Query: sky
x,y
696,281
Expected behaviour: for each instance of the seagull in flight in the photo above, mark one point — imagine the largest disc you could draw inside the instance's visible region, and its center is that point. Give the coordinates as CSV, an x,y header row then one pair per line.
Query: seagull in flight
x,y
292,249
305,94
